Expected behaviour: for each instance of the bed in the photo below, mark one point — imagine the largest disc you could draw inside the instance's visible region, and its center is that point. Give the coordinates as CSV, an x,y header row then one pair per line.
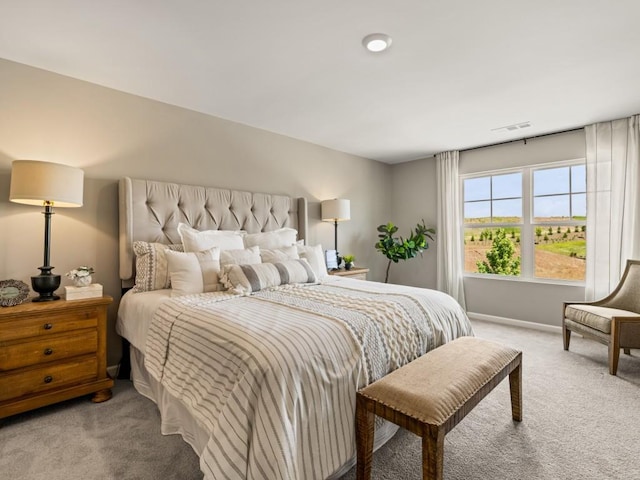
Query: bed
x,y
261,379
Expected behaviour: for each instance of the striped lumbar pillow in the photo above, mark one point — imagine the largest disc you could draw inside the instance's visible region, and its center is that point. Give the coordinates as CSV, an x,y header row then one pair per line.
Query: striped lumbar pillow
x,y
245,279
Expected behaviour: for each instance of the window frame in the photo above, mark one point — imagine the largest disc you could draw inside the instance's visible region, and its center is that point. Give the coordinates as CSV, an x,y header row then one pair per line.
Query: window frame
x,y
527,226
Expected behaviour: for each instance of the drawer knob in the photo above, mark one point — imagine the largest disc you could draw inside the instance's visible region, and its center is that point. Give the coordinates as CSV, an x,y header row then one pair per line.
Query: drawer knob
x,y
48,351
48,379
48,326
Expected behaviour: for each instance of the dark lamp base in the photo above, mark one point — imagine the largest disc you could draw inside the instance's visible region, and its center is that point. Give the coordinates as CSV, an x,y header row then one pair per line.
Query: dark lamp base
x,y
45,285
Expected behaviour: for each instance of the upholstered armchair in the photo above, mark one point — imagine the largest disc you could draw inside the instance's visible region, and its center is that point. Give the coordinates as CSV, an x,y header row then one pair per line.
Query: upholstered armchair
x,y
614,320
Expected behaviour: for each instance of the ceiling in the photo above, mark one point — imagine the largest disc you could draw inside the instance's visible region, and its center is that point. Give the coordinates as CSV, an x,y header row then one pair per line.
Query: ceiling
x,y
457,69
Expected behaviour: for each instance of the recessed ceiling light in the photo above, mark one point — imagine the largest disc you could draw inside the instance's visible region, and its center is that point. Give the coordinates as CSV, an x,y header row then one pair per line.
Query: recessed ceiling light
x,y
377,42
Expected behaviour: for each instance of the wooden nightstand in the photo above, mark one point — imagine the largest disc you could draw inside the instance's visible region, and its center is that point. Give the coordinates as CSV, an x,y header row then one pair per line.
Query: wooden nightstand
x,y
355,272
53,351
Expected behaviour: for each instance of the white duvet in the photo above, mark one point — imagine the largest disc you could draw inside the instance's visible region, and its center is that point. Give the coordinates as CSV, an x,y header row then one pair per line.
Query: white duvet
x,y
272,377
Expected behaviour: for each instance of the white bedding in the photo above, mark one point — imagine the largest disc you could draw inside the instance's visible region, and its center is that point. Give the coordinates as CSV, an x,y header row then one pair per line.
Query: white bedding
x,y
271,392
135,313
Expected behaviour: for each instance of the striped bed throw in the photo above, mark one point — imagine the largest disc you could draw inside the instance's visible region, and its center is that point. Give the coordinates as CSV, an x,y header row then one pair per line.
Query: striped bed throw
x,y
272,376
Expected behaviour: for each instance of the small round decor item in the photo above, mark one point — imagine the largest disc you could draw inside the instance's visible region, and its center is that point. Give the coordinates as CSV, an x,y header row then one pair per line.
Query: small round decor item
x,y
81,276
13,292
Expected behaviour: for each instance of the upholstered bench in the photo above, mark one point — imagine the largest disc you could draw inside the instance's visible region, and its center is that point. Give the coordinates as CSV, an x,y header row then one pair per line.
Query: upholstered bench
x,y
432,394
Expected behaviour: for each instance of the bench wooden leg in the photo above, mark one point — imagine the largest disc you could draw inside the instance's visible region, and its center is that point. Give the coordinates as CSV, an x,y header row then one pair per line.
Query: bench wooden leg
x,y
627,351
433,453
365,430
515,386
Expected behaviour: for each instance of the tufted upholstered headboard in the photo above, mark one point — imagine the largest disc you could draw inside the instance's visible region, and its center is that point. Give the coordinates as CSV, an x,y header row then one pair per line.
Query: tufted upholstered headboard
x,y
150,211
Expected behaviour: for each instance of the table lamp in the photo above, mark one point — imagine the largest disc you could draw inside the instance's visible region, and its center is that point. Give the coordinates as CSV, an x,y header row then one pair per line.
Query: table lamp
x,y
48,184
336,210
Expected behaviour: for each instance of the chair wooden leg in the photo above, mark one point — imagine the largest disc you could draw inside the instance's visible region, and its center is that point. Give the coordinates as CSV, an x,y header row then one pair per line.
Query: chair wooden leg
x,y
566,336
515,386
627,351
365,430
614,356
614,346
433,454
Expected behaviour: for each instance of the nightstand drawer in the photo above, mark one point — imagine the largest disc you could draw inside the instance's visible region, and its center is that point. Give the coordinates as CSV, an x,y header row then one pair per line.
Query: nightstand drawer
x,y
34,380
48,324
48,349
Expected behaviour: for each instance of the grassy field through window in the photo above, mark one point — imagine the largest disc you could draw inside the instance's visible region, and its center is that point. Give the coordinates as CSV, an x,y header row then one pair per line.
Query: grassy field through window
x,y
559,250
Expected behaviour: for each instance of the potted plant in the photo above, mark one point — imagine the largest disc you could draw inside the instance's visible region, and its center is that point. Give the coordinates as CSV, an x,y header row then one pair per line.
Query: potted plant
x,y
348,261
396,249
81,276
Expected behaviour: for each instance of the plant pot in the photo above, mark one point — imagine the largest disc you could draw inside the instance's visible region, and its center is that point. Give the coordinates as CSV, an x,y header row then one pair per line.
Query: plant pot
x,y
348,266
82,281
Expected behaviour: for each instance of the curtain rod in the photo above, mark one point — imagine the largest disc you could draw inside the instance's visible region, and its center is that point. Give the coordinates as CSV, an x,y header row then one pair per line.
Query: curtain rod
x,y
524,139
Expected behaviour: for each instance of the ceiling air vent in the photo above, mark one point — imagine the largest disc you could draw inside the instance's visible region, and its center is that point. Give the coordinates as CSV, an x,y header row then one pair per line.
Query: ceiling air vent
x,y
512,128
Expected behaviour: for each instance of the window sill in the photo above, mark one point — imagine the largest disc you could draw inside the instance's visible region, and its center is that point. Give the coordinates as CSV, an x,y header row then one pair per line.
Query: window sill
x,y
509,278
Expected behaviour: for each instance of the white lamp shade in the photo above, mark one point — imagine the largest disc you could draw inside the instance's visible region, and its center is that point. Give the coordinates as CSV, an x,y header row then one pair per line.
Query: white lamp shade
x,y
337,210
34,182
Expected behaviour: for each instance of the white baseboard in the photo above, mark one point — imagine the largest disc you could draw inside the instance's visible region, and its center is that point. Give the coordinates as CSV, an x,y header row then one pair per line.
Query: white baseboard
x,y
514,323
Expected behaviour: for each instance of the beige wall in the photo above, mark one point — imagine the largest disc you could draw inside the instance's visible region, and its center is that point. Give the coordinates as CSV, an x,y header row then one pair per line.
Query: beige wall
x,y
110,134
414,197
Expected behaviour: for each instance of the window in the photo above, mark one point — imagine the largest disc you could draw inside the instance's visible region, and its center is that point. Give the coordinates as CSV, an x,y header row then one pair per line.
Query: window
x,y
529,223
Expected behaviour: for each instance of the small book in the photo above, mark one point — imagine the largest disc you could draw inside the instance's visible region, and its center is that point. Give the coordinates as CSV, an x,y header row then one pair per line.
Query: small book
x,y
78,293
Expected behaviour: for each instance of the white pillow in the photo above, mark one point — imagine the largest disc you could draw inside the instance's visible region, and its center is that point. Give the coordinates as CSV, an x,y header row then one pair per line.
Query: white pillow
x,y
245,279
279,254
315,256
283,237
243,256
194,272
196,241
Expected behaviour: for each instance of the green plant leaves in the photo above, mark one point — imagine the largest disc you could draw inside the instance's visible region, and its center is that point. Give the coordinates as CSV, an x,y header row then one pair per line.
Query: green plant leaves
x,y
396,249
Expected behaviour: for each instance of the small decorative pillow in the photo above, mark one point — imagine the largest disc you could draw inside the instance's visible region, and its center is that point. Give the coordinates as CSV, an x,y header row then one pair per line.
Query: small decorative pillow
x,y
283,237
279,254
245,279
315,256
243,256
196,241
194,272
152,272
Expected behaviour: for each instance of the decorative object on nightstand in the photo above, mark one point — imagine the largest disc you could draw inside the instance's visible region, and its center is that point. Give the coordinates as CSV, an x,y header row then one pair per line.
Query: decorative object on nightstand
x,y
44,183
13,292
357,273
53,351
331,259
93,290
348,261
396,249
336,210
81,276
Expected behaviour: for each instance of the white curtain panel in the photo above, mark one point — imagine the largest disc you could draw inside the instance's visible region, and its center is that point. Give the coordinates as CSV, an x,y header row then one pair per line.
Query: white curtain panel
x,y
613,202
449,240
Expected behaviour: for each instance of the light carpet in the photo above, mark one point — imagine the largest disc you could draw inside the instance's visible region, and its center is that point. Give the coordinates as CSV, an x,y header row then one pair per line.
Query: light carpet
x,y
579,423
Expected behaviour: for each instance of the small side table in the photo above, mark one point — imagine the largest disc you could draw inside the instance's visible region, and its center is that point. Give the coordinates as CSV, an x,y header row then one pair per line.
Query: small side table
x,y
359,273
53,351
